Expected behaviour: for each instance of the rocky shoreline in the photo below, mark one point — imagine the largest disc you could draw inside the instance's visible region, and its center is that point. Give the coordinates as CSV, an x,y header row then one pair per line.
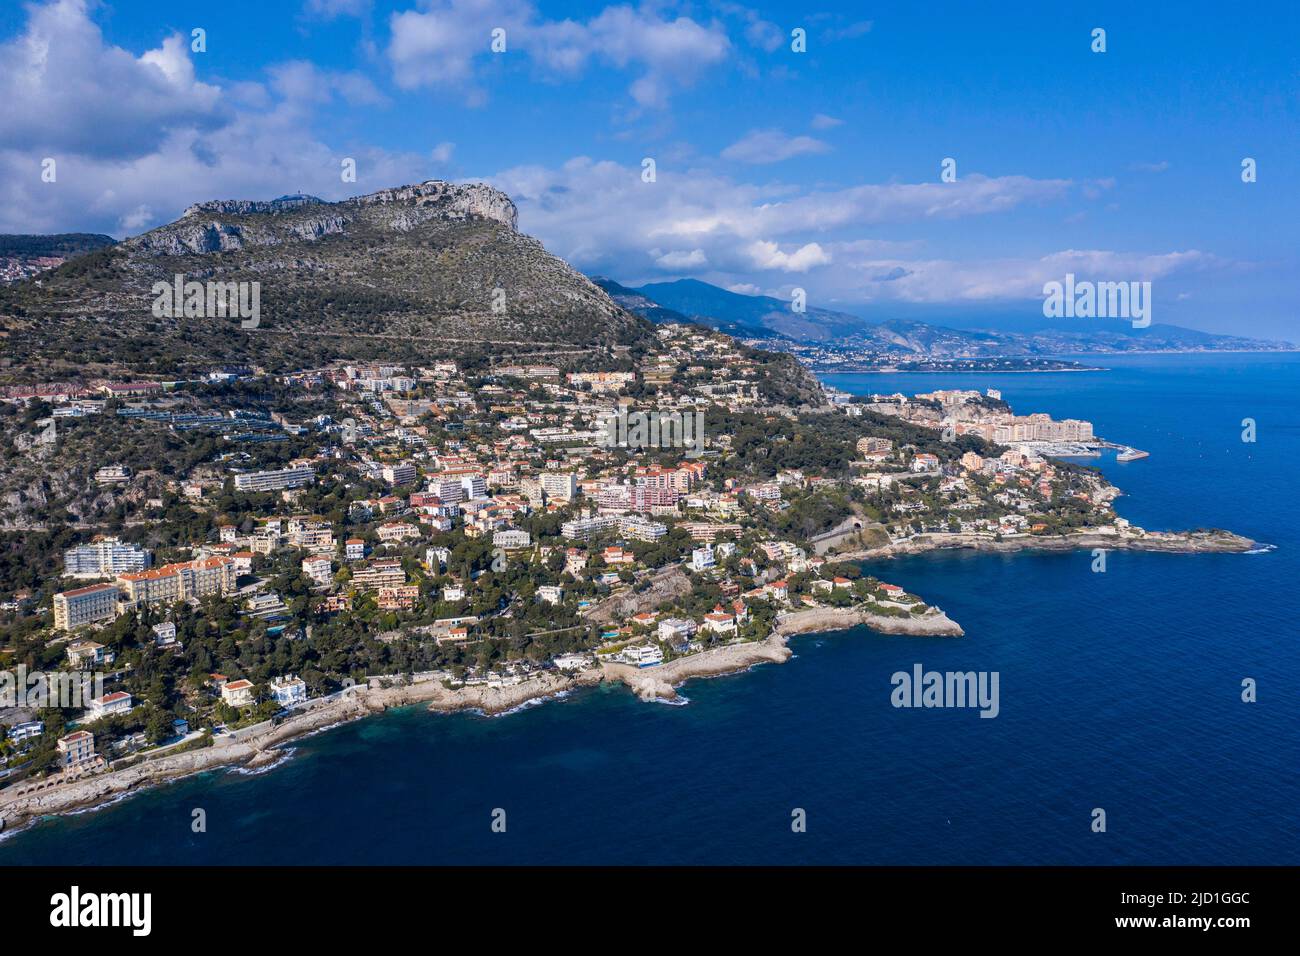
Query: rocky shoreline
x,y
1170,542
25,803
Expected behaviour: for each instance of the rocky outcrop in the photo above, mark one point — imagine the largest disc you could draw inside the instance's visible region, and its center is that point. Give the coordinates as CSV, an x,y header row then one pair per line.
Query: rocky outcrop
x,y
933,623
1171,542
203,228
246,207
667,585
453,201
661,682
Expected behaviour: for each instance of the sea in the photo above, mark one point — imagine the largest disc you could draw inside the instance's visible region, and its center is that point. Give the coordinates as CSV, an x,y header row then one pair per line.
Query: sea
x,y
1122,735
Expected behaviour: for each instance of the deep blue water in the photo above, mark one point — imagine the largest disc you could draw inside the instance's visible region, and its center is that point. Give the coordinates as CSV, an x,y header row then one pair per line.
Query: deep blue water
x,y
1118,690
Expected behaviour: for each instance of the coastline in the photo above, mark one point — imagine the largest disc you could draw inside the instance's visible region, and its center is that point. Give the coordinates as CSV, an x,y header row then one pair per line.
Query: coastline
x,y
24,804
1169,542
260,746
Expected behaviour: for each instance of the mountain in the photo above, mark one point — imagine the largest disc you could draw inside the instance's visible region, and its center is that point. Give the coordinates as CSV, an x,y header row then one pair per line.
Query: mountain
x,y
764,317
750,315
634,301
427,269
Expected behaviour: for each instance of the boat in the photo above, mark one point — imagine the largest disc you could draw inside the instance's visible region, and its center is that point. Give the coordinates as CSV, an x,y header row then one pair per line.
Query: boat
x,y
1131,454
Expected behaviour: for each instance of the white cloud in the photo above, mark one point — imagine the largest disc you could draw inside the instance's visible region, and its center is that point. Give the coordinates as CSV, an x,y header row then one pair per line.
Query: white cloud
x,y
822,121
137,138
849,32
64,91
442,44
768,255
764,34
603,219
329,9
991,280
442,152
771,146
682,261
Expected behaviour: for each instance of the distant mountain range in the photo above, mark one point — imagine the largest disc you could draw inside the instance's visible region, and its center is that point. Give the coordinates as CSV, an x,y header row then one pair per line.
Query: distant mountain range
x,y
764,317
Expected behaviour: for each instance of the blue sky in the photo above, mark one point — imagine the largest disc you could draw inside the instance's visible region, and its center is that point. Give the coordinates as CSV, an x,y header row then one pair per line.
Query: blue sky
x,y
775,169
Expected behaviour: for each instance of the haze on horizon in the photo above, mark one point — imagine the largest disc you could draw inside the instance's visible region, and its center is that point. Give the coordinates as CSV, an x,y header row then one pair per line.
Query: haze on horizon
x,y
774,169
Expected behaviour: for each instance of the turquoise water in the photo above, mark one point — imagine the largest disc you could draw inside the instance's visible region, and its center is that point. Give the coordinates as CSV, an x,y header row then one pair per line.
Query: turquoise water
x,y
1118,691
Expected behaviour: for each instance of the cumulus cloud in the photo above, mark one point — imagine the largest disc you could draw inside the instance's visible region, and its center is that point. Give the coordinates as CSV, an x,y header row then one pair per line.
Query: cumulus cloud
x,y
65,91
768,255
603,219
442,44
137,137
682,261
771,146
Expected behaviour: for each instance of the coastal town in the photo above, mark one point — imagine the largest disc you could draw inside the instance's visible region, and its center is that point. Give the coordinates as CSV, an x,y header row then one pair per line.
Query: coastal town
x,y
249,548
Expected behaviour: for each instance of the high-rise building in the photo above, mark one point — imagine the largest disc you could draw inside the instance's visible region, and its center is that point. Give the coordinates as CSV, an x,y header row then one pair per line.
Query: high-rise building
x,y
104,556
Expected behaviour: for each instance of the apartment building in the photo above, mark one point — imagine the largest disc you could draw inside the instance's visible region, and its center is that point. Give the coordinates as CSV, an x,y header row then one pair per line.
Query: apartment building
x,y
582,529
104,556
400,474
88,605
320,569
76,750
400,598
384,573
560,486
275,480
179,582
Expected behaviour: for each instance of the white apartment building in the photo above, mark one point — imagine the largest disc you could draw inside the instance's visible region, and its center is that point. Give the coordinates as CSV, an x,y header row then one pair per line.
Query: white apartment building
x,y
641,529
275,480
104,556
560,486
320,569
473,486
582,529
400,474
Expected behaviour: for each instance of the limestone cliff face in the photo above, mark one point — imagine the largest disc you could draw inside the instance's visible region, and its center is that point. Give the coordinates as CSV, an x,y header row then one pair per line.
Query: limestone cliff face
x,y
230,225
446,200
